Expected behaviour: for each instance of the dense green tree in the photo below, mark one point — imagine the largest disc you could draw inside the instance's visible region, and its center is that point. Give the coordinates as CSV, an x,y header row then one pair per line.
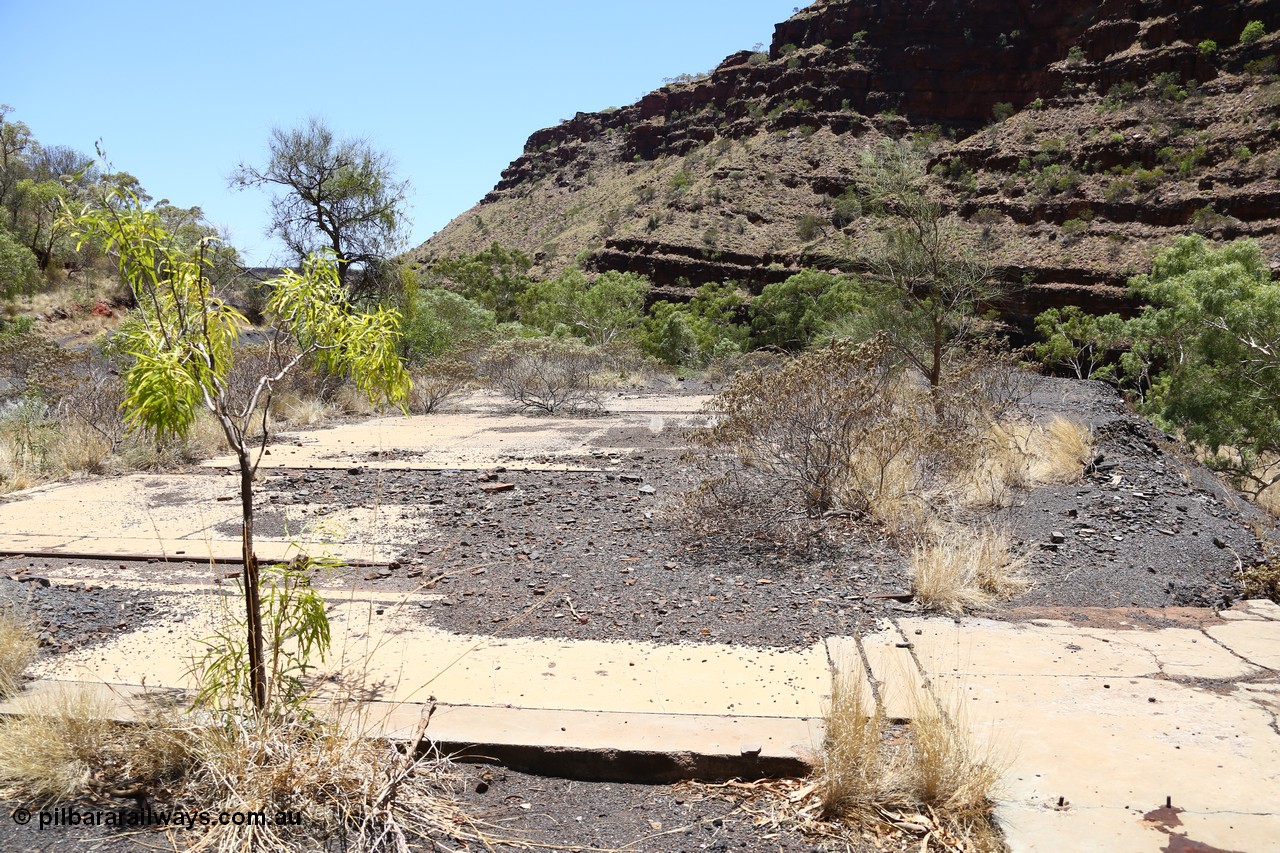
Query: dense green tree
x,y
599,311
495,278
692,333
790,314
437,321
1212,336
1079,341
339,195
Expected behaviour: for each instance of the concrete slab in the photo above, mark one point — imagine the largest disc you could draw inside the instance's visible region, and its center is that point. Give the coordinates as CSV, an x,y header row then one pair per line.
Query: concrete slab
x,y
194,518
1256,642
472,439
385,652
1100,719
596,708
994,648
1263,608
900,685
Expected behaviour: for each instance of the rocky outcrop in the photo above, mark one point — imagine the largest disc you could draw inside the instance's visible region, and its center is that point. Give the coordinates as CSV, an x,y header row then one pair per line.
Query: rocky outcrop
x,y
1076,134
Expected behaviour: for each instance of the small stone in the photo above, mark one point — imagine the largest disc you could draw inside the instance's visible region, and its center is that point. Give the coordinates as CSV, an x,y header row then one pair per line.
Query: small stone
x,y
1219,541
494,488
751,749
354,471
631,478
648,490
1057,537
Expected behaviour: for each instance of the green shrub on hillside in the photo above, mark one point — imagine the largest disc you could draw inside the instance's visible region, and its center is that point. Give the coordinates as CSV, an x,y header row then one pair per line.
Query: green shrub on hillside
x,y
599,311
439,321
792,313
704,328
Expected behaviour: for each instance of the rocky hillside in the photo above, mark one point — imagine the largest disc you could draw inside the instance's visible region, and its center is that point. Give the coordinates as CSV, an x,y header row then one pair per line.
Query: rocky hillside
x,y
1074,135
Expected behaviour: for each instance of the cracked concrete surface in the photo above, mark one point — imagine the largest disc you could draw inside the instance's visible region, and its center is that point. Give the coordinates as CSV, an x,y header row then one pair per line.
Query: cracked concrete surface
x,y
1100,725
1097,728
1114,723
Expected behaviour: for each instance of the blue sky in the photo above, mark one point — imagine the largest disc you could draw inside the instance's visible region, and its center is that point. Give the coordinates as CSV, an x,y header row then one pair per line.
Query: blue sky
x,y
179,94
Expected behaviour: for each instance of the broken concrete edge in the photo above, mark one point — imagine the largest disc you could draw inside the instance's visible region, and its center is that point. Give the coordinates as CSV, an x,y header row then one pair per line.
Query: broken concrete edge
x,y
623,766
209,559
493,743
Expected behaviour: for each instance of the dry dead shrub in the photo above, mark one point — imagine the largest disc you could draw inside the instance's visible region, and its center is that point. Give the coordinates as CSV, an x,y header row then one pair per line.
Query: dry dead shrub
x,y
722,371
799,426
361,790
545,374
956,569
438,381
839,430
82,449
92,395
143,452
17,650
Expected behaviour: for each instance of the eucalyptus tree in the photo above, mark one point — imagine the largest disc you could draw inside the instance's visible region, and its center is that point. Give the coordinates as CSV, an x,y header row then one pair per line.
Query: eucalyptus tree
x,y
182,344
333,194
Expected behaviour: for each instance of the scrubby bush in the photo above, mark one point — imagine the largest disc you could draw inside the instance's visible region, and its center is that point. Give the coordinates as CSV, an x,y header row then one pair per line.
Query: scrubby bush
x,y
800,426
1252,32
544,374
438,380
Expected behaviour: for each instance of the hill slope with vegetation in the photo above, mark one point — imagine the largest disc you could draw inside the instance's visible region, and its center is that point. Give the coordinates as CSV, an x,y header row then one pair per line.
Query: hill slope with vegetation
x,y
1074,138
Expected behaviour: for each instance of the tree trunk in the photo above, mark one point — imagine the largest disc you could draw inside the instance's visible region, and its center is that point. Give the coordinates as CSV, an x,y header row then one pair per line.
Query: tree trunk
x,y
252,592
935,367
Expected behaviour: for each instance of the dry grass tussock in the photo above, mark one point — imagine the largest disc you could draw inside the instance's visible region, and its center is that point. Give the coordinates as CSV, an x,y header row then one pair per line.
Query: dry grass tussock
x,y
1015,454
350,400
61,746
958,569
924,787
362,790
298,410
17,650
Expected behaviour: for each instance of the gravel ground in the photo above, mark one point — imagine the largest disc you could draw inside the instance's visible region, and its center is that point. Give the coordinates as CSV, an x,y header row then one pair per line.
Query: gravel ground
x,y
606,556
